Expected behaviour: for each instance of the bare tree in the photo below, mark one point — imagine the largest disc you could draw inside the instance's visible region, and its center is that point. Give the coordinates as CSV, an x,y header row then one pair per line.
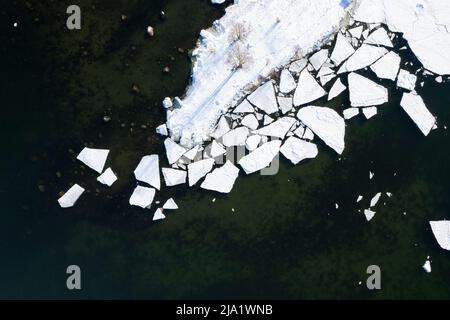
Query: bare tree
x,y
239,31
240,57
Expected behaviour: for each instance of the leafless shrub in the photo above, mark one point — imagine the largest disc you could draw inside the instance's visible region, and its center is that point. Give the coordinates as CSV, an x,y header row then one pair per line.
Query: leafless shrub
x,y
240,57
239,31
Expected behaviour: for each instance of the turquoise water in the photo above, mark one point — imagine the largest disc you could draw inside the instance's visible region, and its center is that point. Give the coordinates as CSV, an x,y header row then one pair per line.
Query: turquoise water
x,y
285,238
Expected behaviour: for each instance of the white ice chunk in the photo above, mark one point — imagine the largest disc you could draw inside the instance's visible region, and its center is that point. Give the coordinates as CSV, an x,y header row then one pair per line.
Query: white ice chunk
x,y
162,130
325,71
148,171
326,123
278,128
380,38
142,197
298,65
350,113
286,104
370,112
217,149
107,178
158,215
268,120
174,177
365,92
427,266
325,79
191,154
307,90
264,98
418,112
369,214
244,107
252,142
222,127
71,196
221,179
406,80
387,67
261,157
441,231
308,134
359,198
298,150
319,58
170,205
94,158
174,151
375,200
235,137
198,170
250,122
356,32
337,88
300,131
342,50
365,56
287,82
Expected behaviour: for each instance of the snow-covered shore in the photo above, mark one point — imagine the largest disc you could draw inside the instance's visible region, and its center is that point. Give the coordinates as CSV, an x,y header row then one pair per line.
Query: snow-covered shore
x,y
265,35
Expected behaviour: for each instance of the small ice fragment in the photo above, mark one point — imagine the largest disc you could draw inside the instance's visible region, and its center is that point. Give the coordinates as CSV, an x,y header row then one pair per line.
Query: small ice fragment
x,y
375,200
441,231
217,149
261,157
278,128
235,137
148,171
198,170
359,199
174,177
191,154
337,88
371,174
162,130
319,58
286,104
142,197
170,205
250,122
389,194
298,65
307,90
221,179
350,113
213,200
356,32
326,123
268,120
370,112
336,206
365,56
174,151
167,103
439,79
369,214
300,131
308,134
287,82
158,215
297,150
365,92
418,112
94,158
71,196
108,177
252,142
244,107
406,80
264,98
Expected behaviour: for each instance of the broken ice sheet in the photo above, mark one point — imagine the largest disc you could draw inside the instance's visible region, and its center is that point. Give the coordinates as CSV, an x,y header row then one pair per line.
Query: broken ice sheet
x,y
406,80
217,149
286,104
350,113
221,179
198,170
415,107
387,67
370,112
94,158
297,150
244,107
375,200
173,150
148,171
278,128
71,196
380,38
264,98
174,177
261,157
337,88
107,178
365,92
250,122
235,137
365,56
287,82
319,58
342,50
308,89
142,197
252,142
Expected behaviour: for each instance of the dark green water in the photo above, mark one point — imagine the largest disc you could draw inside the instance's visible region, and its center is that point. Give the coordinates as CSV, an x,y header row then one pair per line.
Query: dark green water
x,y
285,238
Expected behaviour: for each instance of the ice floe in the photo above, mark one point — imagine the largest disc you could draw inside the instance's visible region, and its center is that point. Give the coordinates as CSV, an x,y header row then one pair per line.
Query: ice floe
x,y
427,266
174,177
342,50
217,149
379,37
191,154
415,107
370,112
198,170
406,80
158,215
261,157
148,171
244,107
365,56
221,179
369,214
252,142
337,88
326,123
364,92
297,150
264,98
173,150
94,158
142,197
319,58
170,204
250,122
441,231
350,113
308,89
235,137
71,196
286,104
107,178
387,67
278,128
287,82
